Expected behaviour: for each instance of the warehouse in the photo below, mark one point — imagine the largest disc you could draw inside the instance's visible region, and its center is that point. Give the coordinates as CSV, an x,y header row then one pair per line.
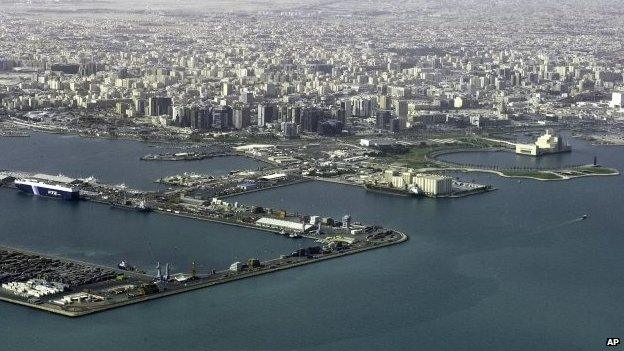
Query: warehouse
x,y
56,179
274,176
281,224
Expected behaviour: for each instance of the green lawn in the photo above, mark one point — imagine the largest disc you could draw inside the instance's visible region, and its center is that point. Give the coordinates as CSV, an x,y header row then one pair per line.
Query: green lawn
x,y
532,174
597,170
415,157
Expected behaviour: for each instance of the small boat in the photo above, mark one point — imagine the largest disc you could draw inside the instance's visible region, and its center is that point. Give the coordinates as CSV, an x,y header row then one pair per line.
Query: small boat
x,y
142,206
584,217
125,266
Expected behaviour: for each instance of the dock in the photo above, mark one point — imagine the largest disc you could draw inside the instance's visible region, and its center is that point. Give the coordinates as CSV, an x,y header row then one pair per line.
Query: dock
x,y
106,295
75,288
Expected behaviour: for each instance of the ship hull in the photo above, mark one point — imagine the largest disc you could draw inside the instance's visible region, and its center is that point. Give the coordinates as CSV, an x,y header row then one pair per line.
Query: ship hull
x,y
388,190
45,191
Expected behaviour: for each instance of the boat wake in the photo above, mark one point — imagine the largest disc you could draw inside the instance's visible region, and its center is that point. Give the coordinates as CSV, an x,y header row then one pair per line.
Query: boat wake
x,y
556,226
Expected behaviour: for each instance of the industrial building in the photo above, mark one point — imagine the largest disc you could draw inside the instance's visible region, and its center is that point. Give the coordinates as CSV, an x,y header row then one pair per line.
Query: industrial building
x,y
274,176
433,184
281,224
429,184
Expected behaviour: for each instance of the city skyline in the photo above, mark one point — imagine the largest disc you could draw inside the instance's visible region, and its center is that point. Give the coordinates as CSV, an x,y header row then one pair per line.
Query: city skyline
x,y
278,175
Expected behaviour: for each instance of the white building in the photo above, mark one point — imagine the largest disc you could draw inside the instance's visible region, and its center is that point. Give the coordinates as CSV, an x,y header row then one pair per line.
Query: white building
x,y
616,100
377,142
549,143
398,182
281,224
433,184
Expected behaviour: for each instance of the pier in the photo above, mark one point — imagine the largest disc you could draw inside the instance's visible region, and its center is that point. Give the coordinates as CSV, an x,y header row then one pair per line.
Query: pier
x,y
95,288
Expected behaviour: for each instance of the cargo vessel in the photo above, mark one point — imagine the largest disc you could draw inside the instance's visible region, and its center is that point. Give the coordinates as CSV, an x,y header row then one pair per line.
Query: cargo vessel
x,y
39,188
140,206
390,190
180,156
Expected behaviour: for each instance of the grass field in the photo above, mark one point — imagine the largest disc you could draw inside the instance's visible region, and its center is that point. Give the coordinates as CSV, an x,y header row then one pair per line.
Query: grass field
x,y
416,157
532,174
597,170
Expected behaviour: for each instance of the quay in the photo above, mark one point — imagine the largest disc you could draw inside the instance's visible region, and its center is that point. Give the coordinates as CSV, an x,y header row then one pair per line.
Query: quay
x,y
185,156
105,297
27,281
460,189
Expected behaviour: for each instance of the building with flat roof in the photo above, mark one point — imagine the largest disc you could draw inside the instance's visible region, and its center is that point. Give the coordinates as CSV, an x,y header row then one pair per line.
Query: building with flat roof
x,y
52,178
548,143
433,184
617,100
377,142
281,224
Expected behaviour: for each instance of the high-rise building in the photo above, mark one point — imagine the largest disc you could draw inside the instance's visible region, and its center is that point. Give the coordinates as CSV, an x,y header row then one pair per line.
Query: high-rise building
x,y
293,114
159,106
205,117
270,89
400,107
246,97
395,125
289,130
362,106
330,127
241,118
227,90
384,102
347,107
617,100
266,114
139,106
194,117
383,119
221,117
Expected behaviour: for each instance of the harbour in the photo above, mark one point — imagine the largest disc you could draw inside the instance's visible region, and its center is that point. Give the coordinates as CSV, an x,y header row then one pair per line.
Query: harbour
x,y
116,288
460,266
311,176
131,287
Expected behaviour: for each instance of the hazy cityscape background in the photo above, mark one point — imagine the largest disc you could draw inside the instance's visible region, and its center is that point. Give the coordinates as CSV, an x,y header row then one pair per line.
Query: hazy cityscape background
x,y
318,175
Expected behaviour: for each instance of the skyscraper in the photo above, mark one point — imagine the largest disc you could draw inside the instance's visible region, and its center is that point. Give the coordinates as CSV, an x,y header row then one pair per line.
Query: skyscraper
x,y
221,117
241,117
159,106
266,114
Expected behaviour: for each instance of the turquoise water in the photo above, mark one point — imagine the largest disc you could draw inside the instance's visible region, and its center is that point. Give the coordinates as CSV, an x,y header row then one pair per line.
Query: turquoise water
x,y
513,269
